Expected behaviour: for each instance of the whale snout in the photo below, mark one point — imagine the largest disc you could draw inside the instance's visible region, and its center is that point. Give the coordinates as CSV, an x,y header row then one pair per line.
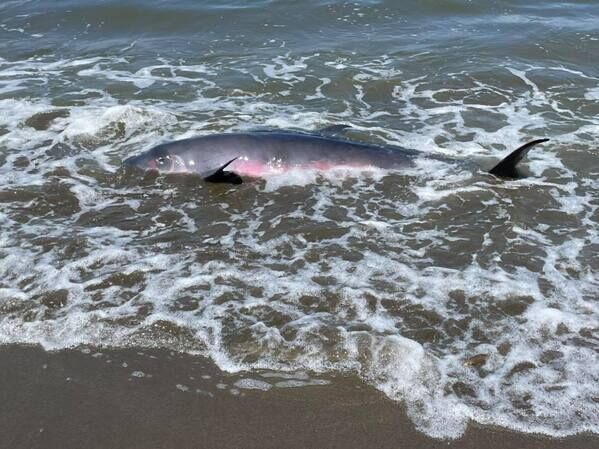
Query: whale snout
x,y
158,160
141,161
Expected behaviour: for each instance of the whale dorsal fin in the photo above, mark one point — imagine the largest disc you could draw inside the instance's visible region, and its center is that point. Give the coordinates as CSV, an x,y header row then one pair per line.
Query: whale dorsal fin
x,y
507,167
333,130
222,176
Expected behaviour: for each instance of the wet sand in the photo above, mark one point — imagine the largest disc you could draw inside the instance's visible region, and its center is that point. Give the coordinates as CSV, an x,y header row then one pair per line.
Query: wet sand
x,y
95,398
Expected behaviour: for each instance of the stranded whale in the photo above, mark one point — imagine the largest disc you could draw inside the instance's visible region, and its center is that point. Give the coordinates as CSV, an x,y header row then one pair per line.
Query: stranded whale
x,y
230,156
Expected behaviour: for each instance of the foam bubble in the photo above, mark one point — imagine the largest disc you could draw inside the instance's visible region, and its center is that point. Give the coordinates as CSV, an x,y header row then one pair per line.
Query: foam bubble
x,y
253,384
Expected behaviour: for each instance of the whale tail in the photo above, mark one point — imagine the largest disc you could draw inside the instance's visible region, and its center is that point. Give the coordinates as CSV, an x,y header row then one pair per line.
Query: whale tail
x,y
507,167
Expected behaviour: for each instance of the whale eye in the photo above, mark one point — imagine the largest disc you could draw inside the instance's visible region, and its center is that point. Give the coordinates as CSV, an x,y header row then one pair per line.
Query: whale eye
x,y
163,163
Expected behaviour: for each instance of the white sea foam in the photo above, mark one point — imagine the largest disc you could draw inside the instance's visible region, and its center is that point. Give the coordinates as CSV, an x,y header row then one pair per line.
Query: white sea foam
x,y
293,383
592,94
253,384
399,278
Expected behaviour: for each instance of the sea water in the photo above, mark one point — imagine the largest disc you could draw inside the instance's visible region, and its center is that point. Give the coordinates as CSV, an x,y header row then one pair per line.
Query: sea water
x,y
465,297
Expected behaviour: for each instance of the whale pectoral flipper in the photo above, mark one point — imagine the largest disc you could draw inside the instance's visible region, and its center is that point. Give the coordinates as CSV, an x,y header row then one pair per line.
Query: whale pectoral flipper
x,y
222,176
507,167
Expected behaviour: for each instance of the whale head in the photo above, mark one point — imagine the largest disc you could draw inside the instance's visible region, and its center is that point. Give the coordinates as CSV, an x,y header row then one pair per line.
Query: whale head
x,y
158,159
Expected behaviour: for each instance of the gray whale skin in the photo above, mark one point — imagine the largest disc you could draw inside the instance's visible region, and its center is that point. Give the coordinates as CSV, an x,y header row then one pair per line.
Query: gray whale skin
x,y
227,157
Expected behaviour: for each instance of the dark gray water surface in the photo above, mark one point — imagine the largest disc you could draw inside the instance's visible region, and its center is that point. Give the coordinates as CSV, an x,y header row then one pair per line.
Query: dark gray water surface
x,y
466,297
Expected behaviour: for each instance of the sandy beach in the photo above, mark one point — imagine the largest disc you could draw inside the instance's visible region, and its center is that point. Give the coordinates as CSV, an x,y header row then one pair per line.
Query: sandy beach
x,y
93,398
445,304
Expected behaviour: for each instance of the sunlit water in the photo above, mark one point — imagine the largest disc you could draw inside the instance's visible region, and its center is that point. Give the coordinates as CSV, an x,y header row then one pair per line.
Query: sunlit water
x,y
464,296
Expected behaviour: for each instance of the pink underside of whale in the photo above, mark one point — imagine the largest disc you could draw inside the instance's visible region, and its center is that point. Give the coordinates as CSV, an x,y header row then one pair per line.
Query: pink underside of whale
x,y
255,169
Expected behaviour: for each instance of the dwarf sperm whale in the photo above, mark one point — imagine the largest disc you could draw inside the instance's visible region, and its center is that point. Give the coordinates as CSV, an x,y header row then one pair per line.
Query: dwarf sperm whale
x,y
228,157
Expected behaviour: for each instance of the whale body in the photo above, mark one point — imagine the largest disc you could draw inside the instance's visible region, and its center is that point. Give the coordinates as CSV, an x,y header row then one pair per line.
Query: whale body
x,y
229,157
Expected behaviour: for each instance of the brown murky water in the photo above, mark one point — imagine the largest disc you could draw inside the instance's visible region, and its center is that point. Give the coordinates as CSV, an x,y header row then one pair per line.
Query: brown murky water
x,y
467,297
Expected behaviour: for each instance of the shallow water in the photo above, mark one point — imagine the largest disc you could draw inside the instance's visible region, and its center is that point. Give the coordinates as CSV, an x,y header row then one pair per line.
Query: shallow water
x,y
466,297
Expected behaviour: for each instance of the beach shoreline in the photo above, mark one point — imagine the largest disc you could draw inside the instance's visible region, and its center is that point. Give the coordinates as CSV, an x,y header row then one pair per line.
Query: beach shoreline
x,y
140,398
377,249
